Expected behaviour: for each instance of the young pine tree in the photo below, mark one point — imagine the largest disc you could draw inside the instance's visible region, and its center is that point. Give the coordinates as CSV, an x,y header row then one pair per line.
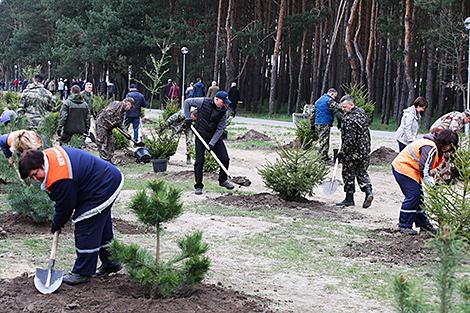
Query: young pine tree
x,y
187,268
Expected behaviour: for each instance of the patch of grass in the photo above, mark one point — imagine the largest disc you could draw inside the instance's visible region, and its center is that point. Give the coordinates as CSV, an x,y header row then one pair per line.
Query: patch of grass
x,y
209,208
253,144
265,116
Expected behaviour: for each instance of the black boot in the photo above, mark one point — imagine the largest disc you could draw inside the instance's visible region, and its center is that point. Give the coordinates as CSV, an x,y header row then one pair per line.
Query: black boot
x,y
75,279
349,201
369,197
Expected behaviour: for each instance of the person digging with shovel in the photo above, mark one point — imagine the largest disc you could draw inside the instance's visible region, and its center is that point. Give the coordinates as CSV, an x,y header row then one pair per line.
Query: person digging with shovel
x,y
210,124
83,187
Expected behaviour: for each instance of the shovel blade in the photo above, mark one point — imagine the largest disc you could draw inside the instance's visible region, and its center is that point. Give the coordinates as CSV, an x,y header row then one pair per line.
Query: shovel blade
x,y
329,187
40,280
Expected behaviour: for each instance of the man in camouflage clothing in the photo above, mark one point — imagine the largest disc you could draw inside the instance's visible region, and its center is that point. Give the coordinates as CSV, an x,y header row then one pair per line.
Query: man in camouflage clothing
x,y
354,153
74,116
177,125
325,108
110,117
35,101
454,121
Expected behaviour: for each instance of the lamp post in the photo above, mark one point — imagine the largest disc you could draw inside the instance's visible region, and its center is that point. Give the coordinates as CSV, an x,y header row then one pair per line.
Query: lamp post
x,y
129,74
16,71
49,70
184,51
467,26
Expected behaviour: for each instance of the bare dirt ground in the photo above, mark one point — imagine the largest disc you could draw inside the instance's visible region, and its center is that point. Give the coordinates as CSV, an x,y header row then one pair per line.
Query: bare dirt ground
x,y
310,256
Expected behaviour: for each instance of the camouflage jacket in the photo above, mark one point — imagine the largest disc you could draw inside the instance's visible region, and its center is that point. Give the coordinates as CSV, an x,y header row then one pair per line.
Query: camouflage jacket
x,y
74,115
88,98
176,122
35,102
355,136
114,113
453,121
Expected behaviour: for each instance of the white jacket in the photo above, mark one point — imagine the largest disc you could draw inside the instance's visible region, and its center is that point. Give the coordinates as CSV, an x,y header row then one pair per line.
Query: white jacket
x,y
409,126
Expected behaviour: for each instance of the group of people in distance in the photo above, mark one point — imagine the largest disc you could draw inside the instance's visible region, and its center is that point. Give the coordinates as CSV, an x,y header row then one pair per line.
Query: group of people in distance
x,y
419,161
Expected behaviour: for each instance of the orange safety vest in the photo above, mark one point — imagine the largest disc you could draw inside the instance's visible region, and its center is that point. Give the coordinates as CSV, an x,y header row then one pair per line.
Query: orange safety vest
x,y
59,166
9,140
407,161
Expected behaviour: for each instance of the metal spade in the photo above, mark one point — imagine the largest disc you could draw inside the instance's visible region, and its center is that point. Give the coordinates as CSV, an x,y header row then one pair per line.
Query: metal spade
x,y
49,280
329,186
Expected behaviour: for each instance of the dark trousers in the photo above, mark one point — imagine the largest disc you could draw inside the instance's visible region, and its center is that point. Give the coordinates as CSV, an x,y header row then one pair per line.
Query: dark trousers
x,y
411,210
135,121
92,237
221,153
401,146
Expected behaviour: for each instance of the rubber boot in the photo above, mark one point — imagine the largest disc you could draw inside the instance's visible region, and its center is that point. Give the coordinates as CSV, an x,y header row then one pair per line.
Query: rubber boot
x,y
369,197
348,201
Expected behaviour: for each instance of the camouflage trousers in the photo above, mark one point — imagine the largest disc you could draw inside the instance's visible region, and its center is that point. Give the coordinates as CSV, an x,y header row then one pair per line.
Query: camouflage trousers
x,y
355,169
105,142
188,134
323,144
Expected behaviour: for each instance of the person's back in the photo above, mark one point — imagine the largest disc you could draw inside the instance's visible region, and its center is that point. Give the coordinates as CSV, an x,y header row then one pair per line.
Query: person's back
x,y
323,114
355,133
212,90
35,101
139,102
113,113
199,89
74,116
454,121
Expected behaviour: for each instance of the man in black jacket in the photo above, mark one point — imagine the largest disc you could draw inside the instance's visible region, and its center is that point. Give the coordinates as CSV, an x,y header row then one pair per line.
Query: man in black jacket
x,y
210,123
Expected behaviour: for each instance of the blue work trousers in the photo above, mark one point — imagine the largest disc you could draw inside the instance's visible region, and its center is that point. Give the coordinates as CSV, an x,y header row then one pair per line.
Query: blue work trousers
x,y
92,237
411,210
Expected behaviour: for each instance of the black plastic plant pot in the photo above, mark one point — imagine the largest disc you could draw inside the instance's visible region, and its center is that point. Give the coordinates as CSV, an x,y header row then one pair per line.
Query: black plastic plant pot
x,y
159,165
142,155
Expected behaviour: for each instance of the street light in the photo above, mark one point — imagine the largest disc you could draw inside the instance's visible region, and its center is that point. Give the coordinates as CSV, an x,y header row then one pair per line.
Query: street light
x,y
184,51
467,26
49,70
16,71
129,74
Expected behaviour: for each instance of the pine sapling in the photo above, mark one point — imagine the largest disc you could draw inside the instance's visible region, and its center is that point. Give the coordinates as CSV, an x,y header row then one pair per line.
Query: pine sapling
x,y
161,206
31,201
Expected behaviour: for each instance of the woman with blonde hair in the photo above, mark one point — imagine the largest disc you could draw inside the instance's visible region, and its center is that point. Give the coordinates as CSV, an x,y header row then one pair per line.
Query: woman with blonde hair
x,y
19,141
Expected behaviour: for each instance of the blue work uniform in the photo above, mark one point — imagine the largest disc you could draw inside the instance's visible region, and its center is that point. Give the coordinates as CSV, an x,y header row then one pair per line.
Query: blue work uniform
x,y
83,187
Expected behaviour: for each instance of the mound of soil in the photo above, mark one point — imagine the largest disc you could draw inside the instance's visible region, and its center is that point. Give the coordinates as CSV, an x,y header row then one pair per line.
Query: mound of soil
x,y
17,224
382,155
254,135
390,246
124,157
302,207
117,294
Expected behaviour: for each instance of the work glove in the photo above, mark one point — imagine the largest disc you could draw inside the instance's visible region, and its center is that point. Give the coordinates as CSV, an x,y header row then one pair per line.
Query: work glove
x,y
55,228
211,147
429,180
340,156
188,123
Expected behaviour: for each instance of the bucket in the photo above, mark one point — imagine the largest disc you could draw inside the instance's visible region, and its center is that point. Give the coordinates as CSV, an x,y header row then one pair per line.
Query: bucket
x,y
159,165
142,155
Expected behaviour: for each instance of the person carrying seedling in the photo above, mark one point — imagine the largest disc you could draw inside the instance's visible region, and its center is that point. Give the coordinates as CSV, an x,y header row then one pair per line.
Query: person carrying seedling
x,y
210,124
18,142
411,168
177,124
110,117
83,187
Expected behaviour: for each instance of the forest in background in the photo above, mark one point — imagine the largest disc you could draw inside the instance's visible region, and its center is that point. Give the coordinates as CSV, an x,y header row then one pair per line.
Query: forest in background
x,y
282,53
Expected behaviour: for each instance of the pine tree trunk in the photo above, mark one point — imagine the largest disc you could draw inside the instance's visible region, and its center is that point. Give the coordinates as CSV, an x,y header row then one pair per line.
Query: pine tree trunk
x,y
443,70
357,44
229,68
275,58
371,52
407,43
215,74
302,62
429,86
397,98
292,88
385,108
339,18
350,45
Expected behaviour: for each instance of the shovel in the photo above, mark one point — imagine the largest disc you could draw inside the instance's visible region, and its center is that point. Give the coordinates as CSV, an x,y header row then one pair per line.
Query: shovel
x,y
127,135
239,180
329,186
49,280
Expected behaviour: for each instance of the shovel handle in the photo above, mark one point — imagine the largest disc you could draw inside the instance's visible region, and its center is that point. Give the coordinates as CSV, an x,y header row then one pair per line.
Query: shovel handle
x,y
55,240
335,168
212,152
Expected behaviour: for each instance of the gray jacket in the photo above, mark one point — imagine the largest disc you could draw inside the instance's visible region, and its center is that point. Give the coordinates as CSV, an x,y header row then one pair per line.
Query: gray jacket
x,y
409,126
